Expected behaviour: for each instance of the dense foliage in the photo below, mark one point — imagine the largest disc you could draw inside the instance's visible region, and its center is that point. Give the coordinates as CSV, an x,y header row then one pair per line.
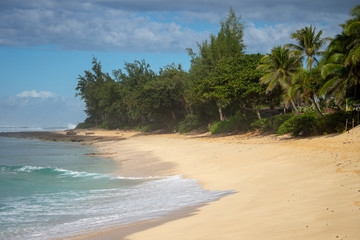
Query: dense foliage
x,y
311,124
270,124
226,89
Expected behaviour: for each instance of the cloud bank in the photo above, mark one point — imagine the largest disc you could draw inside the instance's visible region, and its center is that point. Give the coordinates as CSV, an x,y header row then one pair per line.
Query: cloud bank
x,y
40,108
158,25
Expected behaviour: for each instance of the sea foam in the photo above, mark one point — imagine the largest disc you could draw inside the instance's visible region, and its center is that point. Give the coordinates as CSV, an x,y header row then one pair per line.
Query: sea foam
x,y
55,190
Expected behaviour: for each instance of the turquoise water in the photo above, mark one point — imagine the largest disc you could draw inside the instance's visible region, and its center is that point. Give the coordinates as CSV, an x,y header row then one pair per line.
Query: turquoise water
x,y
52,190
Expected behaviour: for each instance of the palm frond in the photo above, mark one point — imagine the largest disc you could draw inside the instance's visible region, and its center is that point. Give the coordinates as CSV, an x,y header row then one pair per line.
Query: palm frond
x,y
266,79
329,85
336,58
355,12
293,46
330,69
352,28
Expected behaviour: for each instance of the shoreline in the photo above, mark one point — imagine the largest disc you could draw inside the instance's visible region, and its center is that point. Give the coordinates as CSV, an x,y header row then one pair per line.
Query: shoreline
x,y
284,188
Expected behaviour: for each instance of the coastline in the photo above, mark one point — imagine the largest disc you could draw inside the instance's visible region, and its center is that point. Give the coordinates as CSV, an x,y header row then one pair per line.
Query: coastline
x,y
284,188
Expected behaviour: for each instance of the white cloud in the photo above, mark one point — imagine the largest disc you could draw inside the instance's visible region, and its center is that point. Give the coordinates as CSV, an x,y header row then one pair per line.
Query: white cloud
x,y
93,29
263,39
40,108
152,26
36,94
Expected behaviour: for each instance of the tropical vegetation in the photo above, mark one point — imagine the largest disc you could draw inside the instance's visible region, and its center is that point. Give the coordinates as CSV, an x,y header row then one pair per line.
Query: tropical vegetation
x,y
289,90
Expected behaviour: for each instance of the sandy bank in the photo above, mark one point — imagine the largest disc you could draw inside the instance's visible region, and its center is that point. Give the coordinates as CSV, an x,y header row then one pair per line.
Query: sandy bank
x,y
285,188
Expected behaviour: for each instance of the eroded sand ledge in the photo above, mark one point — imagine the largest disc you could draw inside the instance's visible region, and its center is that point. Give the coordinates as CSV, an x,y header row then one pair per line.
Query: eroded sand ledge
x,y
285,188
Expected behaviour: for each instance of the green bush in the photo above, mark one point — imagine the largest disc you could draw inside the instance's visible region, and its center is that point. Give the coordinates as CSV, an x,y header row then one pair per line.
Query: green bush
x,y
270,124
275,122
236,122
307,109
335,122
146,128
306,124
190,123
286,127
311,124
258,124
85,125
105,125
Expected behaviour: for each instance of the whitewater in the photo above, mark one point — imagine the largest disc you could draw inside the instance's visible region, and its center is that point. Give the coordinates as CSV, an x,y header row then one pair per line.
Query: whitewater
x,y
54,190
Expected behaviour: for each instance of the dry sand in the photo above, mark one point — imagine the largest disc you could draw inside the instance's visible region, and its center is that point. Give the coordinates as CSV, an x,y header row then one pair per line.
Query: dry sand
x,y
285,188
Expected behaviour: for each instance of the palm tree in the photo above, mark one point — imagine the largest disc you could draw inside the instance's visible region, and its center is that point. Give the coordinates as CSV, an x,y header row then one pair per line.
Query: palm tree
x,y
305,84
309,42
279,68
352,30
334,71
341,66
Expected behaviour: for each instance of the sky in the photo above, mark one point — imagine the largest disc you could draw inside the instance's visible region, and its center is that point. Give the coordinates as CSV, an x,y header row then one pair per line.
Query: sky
x,y
46,44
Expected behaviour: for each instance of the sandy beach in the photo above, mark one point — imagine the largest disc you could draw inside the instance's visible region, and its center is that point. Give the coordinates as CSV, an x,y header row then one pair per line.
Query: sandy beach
x,y
284,188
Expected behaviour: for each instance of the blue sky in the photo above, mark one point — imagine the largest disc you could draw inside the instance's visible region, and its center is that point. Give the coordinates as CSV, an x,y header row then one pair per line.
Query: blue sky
x,y
46,44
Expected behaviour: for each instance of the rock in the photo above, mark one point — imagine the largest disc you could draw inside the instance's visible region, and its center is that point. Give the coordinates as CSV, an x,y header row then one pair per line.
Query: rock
x,y
70,133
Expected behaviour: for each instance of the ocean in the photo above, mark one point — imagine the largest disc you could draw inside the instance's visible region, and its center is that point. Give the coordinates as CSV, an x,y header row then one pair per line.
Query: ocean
x,y
34,128
52,190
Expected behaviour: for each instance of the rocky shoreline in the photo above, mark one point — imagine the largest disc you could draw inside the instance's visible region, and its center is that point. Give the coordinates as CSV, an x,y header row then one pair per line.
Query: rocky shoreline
x,y
66,136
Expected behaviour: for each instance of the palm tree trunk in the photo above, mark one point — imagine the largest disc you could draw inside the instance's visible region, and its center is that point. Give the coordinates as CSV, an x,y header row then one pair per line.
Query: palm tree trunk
x,y
220,112
356,90
243,109
258,114
316,105
295,108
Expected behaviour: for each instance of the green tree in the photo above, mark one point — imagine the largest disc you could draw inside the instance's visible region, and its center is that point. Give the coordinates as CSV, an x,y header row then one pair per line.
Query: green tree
x,y
352,30
165,96
306,84
310,43
228,43
341,67
132,80
216,87
279,68
236,81
90,88
249,91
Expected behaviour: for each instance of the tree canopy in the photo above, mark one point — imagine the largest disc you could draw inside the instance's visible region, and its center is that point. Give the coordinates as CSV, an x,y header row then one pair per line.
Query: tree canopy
x,y
223,81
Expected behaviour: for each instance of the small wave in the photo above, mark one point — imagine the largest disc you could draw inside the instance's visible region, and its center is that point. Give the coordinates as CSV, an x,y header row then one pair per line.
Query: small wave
x,y
34,128
59,172
63,173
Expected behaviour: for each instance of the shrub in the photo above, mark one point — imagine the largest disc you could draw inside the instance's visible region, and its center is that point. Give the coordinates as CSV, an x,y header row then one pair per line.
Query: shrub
x,y
236,122
311,124
191,122
258,124
307,109
270,124
105,125
306,124
145,128
286,127
335,122
85,125
273,123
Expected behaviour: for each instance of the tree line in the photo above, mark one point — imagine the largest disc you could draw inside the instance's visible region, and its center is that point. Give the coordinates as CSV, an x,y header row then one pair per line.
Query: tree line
x,y
224,81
